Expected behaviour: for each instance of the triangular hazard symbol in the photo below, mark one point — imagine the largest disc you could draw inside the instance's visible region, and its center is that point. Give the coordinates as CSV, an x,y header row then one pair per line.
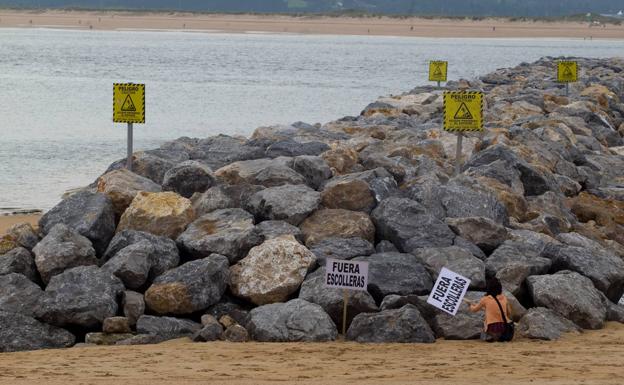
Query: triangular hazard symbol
x,y
567,73
437,71
463,113
128,104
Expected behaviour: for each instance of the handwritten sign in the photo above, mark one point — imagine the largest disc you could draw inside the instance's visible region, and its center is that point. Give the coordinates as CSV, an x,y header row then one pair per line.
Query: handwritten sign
x,y
448,292
343,274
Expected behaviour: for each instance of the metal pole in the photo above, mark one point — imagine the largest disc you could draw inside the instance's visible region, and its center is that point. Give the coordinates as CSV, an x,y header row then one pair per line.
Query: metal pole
x,y
567,89
129,157
345,301
458,153
438,84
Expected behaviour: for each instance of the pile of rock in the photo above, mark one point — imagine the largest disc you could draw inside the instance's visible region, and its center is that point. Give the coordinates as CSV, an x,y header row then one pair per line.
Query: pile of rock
x,y
225,238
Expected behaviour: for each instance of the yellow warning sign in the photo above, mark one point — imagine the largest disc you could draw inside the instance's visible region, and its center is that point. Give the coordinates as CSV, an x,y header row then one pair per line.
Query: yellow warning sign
x,y
567,71
128,103
463,111
437,71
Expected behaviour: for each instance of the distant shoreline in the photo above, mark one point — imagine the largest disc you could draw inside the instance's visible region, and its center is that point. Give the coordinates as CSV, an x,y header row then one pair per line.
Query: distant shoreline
x,y
322,25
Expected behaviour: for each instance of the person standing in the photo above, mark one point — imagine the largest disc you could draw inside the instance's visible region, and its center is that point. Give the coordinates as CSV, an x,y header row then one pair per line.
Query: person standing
x,y
497,312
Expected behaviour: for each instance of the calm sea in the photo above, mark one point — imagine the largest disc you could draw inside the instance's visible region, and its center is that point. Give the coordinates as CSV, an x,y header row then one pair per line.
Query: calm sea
x,y
56,130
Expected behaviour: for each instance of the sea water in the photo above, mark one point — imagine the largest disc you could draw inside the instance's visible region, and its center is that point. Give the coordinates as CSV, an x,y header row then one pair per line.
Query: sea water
x,y
56,129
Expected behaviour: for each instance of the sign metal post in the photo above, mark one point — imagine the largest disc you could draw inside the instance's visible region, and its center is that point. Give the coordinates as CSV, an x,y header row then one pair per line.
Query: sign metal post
x,y
463,111
129,107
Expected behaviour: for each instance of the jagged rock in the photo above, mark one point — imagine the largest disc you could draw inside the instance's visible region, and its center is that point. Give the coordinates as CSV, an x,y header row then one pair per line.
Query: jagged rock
x,y
18,260
331,300
544,324
313,168
604,269
272,271
341,160
167,327
133,306
396,273
217,151
295,320
229,232
407,225
163,252
483,232
146,164
288,203
236,333
189,288
223,197
400,325
18,294
461,201
24,235
142,339
264,172
188,177
455,259
166,214
121,186
230,309
465,325
385,247
211,330
274,229
292,148
116,325
62,249
469,246
513,262
90,214
352,194
336,223
132,264
83,296
20,332
341,248
571,295
106,339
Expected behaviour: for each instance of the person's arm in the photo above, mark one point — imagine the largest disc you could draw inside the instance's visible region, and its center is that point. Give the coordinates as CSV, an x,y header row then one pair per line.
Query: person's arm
x,y
475,307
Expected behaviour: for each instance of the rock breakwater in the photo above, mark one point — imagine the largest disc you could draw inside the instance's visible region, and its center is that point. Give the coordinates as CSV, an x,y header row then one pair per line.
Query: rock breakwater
x,y
226,237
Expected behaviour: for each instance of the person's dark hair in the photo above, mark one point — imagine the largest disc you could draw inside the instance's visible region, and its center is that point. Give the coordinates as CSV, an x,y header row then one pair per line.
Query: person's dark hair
x,y
493,286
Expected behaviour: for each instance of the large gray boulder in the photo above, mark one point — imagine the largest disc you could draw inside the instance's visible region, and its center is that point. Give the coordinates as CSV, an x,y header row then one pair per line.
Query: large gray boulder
x,y
313,168
229,232
83,296
341,248
544,324
465,325
289,203
192,287
274,229
455,259
604,269
216,151
461,199
132,264
167,327
483,232
188,177
265,172
62,249
399,325
571,295
513,262
331,300
19,260
163,252
147,164
223,197
133,305
20,332
272,271
407,224
396,273
90,214
293,148
293,321
18,294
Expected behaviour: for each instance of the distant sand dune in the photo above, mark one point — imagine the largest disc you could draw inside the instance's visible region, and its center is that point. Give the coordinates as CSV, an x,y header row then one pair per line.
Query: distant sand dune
x,y
418,27
593,358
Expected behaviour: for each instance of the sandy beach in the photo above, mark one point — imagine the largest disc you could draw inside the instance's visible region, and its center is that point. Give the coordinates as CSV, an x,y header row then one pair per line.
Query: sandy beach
x,y
6,221
592,358
417,27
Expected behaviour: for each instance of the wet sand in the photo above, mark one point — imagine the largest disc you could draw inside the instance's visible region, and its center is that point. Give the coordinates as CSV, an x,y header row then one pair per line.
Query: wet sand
x,y
6,221
592,358
417,27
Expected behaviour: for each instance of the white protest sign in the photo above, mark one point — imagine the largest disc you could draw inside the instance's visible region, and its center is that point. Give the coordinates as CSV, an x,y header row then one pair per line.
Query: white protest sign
x,y
352,275
448,291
